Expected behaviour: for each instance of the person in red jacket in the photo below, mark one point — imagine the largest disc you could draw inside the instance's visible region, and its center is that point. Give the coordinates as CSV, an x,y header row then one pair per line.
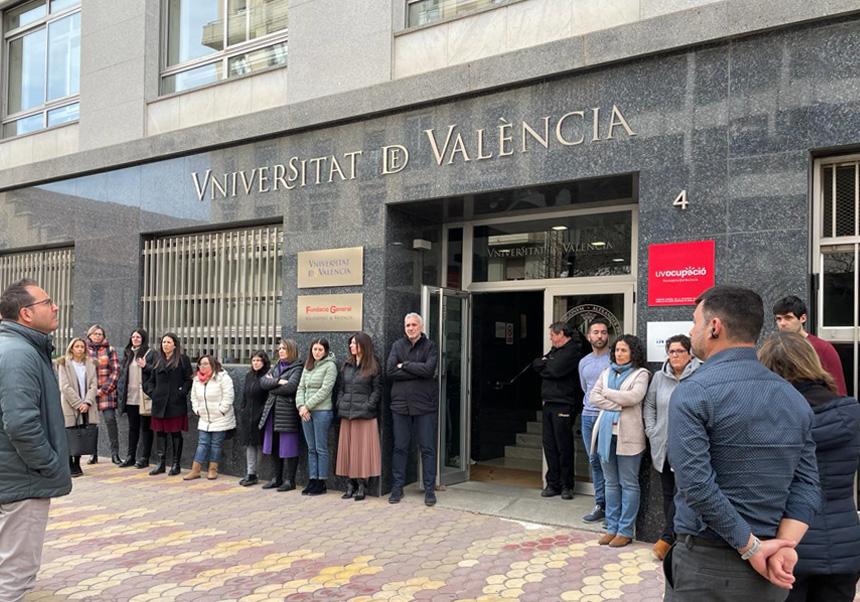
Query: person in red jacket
x,y
790,315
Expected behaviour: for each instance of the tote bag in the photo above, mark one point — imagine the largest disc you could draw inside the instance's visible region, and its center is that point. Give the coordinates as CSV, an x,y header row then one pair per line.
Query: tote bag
x,y
83,438
145,407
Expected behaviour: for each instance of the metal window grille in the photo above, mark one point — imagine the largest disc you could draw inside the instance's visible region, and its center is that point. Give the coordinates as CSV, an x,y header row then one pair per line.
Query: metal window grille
x,y
840,200
54,270
219,291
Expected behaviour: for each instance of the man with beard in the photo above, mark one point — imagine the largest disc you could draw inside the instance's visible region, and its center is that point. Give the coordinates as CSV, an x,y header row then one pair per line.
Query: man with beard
x,y
590,369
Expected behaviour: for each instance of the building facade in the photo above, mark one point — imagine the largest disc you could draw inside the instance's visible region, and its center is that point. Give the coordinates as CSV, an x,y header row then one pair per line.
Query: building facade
x,y
499,165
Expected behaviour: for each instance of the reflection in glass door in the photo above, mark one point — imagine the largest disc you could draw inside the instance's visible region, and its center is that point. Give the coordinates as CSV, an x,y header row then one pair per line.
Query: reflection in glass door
x,y
446,314
578,305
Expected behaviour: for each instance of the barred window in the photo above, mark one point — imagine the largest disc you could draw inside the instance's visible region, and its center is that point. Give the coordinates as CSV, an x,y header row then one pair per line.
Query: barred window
x,y
54,270
219,291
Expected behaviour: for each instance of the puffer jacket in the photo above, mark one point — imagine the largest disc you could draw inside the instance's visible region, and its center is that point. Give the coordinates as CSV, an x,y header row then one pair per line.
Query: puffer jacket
x,y
414,388
317,385
282,398
212,401
71,395
655,411
358,396
832,543
34,456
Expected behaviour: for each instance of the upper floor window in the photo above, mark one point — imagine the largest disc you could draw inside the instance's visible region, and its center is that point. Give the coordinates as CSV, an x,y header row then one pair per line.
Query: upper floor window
x,y
43,65
422,12
211,40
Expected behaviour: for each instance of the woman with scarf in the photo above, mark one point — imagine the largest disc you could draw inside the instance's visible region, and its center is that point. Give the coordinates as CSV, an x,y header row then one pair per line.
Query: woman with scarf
x,y
619,435
250,413
212,401
107,368
76,372
280,418
129,396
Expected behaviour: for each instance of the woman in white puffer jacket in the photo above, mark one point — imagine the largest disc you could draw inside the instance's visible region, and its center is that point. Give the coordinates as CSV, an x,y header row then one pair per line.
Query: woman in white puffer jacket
x,y
212,402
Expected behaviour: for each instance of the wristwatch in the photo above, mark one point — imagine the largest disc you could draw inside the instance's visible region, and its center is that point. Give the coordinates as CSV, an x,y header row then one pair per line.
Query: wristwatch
x,y
756,544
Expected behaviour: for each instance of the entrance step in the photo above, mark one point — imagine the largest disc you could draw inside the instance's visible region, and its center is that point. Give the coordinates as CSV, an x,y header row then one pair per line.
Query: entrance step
x,y
518,463
528,440
534,428
529,453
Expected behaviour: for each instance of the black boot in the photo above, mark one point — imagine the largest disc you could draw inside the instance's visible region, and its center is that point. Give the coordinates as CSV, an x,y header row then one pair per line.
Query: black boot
x,y
290,478
129,461
177,454
350,490
319,487
161,452
361,493
114,457
311,486
75,466
94,459
277,472
143,462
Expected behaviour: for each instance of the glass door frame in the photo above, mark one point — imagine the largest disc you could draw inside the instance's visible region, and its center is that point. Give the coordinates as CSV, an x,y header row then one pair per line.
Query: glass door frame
x,y
448,476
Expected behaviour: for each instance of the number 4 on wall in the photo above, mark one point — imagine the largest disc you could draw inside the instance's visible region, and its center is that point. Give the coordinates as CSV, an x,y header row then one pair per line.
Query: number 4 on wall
x,y
681,200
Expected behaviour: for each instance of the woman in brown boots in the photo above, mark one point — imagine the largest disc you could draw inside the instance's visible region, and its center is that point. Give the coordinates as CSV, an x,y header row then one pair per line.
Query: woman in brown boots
x,y
212,401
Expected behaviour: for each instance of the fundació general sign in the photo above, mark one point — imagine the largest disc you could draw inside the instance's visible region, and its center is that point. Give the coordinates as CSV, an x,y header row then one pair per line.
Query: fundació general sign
x,y
329,313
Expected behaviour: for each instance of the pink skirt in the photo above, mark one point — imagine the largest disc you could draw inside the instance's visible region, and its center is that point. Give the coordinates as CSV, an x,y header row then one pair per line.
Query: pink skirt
x,y
358,449
170,425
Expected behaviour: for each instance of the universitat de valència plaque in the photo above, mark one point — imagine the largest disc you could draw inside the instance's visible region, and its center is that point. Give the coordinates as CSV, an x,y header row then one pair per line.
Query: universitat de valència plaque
x,y
331,267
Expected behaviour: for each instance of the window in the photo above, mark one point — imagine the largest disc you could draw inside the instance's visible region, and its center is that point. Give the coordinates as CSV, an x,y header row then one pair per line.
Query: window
x,y
43,65
53,269
422,12
211,40
219,291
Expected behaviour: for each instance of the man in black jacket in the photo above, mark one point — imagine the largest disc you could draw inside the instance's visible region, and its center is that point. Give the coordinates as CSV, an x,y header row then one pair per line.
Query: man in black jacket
x,y
562,401
414,404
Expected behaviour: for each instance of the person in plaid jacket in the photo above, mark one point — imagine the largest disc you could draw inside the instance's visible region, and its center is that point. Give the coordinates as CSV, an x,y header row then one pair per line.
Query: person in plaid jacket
x,y
107,366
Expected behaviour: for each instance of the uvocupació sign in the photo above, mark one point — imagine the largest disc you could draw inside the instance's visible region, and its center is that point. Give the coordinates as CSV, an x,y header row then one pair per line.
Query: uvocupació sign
x,y
331,267
330,313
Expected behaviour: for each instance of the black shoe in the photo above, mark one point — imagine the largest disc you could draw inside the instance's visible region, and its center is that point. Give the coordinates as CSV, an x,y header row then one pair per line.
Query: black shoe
x,y
94,459
142,463
287,486
396,495
159,468
319,488
549,491
174,470
129,461
310,486
249,480
116,459
429,497
566,493
361,492
75,467
350,490
273,484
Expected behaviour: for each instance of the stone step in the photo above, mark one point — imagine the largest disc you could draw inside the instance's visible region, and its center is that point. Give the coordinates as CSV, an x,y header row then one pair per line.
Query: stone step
x,y
518,463
528,440
534,428
529,453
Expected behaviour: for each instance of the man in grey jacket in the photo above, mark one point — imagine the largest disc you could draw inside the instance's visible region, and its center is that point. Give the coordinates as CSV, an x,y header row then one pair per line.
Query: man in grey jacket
x,y
34,464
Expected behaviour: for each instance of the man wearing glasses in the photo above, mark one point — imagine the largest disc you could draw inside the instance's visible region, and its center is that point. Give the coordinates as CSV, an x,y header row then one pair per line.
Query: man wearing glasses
x,y
34,464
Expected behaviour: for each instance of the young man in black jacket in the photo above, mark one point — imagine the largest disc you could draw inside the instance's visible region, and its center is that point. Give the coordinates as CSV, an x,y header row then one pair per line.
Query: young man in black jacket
x,y
562,401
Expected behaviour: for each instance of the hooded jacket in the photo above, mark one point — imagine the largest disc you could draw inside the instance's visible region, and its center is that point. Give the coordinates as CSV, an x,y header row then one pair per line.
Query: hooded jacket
x,y
212,401
34,456
358,396
655,411
316,386
414,388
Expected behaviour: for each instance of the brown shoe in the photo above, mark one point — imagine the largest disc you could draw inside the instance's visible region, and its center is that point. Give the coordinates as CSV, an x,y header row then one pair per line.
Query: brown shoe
x,y
195,472
607,537
620,541
213,471
660,548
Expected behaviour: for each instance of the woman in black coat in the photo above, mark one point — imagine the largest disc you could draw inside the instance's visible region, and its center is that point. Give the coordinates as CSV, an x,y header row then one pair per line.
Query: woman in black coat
x,y
250,414
828,565
280,418
360,390
168,382
129,397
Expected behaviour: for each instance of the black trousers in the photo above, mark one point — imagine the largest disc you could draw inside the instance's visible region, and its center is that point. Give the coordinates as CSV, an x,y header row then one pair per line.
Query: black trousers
x,y
138,425
558,419
824,588
667,481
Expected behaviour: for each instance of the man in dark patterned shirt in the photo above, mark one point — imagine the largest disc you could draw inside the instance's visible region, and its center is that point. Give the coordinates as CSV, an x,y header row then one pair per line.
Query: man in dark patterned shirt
x,y
740,442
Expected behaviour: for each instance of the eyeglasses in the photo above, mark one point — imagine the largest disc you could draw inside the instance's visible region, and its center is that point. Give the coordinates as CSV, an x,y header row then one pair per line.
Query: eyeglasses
x,y
677,351
203,364
48,301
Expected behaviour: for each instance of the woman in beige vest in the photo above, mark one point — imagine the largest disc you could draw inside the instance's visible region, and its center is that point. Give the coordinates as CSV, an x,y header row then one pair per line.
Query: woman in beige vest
x,y
78,385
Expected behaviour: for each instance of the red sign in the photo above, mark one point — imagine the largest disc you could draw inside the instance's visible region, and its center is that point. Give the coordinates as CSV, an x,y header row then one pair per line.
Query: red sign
x,y
679,272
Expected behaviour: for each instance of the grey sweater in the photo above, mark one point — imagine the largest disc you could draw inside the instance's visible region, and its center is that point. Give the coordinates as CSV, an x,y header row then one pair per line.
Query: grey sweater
x,y
655,410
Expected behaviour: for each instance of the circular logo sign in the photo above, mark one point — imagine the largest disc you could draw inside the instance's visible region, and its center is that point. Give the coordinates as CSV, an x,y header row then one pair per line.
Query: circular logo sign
x,y
581,315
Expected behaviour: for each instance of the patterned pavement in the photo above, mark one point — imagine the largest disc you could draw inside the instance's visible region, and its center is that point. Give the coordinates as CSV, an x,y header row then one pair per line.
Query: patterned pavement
x,y
123,535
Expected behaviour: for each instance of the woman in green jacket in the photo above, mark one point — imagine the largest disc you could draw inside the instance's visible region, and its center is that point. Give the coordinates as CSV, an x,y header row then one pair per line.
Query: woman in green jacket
x,y
313,399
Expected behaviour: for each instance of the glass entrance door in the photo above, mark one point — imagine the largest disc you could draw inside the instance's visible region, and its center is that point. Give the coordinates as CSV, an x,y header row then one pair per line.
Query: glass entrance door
x,y
578,305
447,313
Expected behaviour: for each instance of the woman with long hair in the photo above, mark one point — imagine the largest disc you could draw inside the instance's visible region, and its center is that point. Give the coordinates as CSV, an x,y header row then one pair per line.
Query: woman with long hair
x,y
313,399
619,435
251,413
76,372
212,401
129,397
107,368
358,456
168,382
828,556
280,418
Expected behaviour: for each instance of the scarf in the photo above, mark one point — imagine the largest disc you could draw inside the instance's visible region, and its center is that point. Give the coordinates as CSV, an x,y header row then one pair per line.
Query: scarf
x,y
283,365
616,376
204,378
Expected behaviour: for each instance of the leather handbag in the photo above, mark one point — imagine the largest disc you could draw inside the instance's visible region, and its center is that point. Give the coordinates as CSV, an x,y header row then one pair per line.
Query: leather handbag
x,y
145,407
83,438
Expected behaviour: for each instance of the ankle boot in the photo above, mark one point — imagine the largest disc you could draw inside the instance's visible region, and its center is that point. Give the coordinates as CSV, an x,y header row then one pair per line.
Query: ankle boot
x,y
161,452
350,490
213,471
177,456
94,459
310,487
195,472
361,493
290,477
319,487
129,461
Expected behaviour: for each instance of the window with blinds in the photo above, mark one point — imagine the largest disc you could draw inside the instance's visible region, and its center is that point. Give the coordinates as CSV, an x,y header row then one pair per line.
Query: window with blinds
x,y
53,269
219,291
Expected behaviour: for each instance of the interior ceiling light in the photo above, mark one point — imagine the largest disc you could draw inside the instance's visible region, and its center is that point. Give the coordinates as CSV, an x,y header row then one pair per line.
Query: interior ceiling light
x,y
559,228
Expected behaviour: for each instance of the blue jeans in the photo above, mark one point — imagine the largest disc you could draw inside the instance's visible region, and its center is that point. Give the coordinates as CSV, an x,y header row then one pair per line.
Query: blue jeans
x,y
425,433
622,491
209,446
594,461
316,434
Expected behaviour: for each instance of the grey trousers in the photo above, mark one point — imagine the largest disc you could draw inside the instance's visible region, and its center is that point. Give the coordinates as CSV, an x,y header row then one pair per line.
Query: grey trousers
x,y
22,533
253,457
697,573
109,418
